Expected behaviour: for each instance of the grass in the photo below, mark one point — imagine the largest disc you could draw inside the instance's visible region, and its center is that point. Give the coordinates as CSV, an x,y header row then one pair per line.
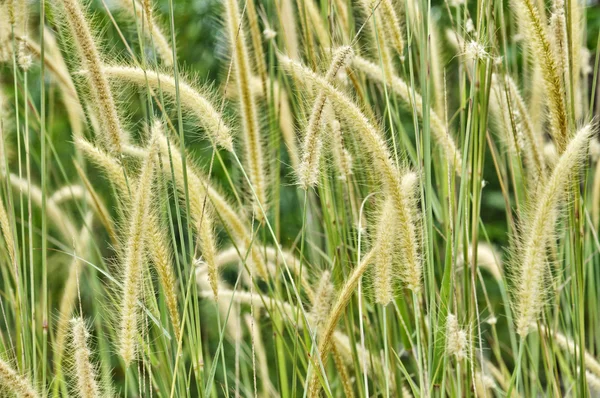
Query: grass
x,y
299,198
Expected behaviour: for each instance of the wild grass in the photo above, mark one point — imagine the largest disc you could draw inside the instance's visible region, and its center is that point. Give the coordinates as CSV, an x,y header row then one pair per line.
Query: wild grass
x,y
299,198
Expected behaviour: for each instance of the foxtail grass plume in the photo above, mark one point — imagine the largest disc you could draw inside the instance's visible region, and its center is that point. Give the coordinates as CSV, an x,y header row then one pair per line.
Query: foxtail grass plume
x,y
133,260
100,92
324,296
411,269
69,297
509,108
85,372
537,35
159,247
15,383
288,29
456,338
191,99
257,47
201,210
281,102
313,15
341,156
384,248
110,165
379,35
392,26
559,41
539,230
308,173
7,234
253,151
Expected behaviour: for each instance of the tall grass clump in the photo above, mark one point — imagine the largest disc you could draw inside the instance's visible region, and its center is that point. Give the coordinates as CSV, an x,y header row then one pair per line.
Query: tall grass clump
x,y
371,198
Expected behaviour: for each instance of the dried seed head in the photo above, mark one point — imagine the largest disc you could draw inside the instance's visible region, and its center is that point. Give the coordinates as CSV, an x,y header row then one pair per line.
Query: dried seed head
x,y
24,57
15,383
385,247
537,35
456,338
133,261
323,299
191,99
102,98
538,230
252,139
308,172
342,157
84,370
159,246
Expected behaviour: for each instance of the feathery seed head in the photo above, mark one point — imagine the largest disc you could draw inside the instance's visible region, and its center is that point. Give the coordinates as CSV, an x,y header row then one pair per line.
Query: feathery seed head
x,y
269,34
342,157
15,383
84,370
24,57
324,296
192,99
308,172
100,91
537,35
456,338
252,141
385,247
539,229
133,261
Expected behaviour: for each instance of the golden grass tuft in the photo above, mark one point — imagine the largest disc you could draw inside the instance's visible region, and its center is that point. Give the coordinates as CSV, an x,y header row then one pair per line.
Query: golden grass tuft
x,y
252,141
133,259
538,231
100,92
85,371
15,383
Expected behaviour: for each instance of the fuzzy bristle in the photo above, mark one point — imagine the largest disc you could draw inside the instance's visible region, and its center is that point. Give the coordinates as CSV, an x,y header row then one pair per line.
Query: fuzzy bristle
x,y
252,140
85,373
161,254
536,234
133,260
456,338
102,97
15,383
538,37
308,172
384,246
191,99
323,298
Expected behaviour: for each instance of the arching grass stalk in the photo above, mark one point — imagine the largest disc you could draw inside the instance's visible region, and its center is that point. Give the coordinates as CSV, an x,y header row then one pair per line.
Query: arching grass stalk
x,y
100,92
